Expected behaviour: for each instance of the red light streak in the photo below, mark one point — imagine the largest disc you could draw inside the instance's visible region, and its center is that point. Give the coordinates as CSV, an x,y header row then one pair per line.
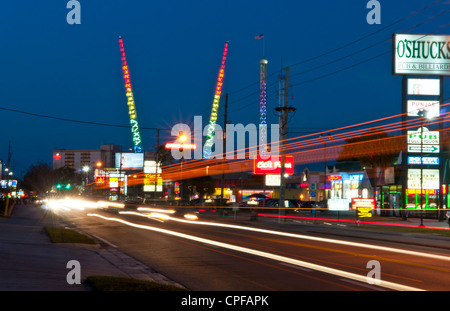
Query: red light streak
x,y
350,221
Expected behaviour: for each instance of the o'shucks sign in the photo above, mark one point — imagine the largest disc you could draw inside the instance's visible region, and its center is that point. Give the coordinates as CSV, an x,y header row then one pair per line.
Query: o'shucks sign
x,y
421,55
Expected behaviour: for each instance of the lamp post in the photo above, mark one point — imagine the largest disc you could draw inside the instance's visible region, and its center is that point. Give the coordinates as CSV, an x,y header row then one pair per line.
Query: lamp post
x,y
86,171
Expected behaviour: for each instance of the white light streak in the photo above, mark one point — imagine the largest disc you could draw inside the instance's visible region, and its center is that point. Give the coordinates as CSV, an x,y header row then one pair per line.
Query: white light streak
x,y
353,276
312,238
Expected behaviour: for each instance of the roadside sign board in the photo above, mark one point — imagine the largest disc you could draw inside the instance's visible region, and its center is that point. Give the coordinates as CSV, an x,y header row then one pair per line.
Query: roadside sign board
x,y
429,137
363,206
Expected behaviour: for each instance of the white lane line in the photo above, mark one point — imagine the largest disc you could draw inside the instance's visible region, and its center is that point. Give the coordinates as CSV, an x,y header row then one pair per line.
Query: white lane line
x,y
344,274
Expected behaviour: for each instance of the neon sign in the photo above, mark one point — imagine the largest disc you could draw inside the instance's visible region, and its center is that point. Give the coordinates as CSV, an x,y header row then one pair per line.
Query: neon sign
x,y
273,165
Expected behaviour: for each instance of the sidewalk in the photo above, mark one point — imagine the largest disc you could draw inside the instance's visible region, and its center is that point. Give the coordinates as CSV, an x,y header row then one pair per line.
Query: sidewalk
x,y
29,261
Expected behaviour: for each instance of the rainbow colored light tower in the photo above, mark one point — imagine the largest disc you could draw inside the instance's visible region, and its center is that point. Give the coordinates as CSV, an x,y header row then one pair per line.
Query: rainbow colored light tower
x,y
130,101
215,107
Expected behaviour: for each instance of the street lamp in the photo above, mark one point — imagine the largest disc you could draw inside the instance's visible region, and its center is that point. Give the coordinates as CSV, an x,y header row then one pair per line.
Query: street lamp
x,y
86,170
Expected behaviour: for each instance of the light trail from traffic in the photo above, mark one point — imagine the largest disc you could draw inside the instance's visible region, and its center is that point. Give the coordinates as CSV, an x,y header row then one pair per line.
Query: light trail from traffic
x,y
300,236
300,263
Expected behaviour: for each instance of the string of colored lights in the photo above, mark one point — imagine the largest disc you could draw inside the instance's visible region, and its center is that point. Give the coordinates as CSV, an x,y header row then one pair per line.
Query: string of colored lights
x,y
215,107
136,135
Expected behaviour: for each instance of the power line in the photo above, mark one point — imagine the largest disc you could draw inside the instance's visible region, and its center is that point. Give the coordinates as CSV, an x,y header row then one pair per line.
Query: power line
x,y
345,45
73,120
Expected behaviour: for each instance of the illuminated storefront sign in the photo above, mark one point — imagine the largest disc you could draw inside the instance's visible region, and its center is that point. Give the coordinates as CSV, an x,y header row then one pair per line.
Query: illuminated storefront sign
x,y
425,160
430,179
418,54
363,206
338,204
273,180
430,106
424,191
181,146
429,137
100,180
273,165
430,87
334,177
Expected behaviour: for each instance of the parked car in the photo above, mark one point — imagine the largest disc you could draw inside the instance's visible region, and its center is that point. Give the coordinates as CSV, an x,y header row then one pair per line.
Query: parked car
x,y
255,199
276,203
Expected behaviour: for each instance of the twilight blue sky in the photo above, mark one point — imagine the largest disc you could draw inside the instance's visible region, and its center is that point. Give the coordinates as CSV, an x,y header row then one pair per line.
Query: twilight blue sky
x,y
173,49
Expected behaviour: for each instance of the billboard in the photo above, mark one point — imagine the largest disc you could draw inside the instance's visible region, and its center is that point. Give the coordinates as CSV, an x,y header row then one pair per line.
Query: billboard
x,y
272,165
418,54
129,161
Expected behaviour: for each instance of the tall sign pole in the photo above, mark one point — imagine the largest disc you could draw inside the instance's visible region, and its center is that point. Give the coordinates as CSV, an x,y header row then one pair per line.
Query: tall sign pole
x,y
136,135
423,60
207,150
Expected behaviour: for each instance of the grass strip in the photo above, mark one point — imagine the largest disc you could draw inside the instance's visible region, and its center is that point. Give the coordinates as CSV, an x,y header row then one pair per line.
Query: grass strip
x,y
64,235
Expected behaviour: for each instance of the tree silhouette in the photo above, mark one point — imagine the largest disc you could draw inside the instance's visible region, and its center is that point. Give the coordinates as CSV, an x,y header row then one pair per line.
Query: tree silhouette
x,y
375,150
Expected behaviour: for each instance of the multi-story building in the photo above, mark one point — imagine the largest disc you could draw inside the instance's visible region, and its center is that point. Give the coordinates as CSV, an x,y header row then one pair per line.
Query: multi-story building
x,y
78,159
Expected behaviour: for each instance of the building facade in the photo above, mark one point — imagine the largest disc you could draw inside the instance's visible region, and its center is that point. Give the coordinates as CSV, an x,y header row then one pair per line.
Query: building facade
x,y
80,158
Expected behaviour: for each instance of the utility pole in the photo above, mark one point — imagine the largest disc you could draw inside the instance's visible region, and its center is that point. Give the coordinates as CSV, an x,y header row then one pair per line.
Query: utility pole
x,y
283,119
157,164
223,148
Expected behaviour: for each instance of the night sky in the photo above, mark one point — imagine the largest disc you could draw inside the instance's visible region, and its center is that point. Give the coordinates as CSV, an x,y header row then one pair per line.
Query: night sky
x,y
53,69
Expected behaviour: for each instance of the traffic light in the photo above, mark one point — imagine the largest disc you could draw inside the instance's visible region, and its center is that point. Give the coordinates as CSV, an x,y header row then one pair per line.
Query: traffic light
x,y
61,186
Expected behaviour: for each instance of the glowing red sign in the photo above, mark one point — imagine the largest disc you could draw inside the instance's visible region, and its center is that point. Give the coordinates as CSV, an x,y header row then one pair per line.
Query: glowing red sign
x,y
363,203
179,146
272,165
100,180
57,156
334,177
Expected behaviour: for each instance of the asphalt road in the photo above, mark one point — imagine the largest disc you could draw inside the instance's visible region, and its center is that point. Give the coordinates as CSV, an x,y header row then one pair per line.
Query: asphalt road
x,y
214,258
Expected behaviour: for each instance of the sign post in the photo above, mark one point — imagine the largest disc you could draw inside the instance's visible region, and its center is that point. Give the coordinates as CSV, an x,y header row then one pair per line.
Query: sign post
x,y
423,60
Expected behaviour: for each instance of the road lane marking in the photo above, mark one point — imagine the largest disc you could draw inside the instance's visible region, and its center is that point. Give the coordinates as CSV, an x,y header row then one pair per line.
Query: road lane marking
x,y
344,274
